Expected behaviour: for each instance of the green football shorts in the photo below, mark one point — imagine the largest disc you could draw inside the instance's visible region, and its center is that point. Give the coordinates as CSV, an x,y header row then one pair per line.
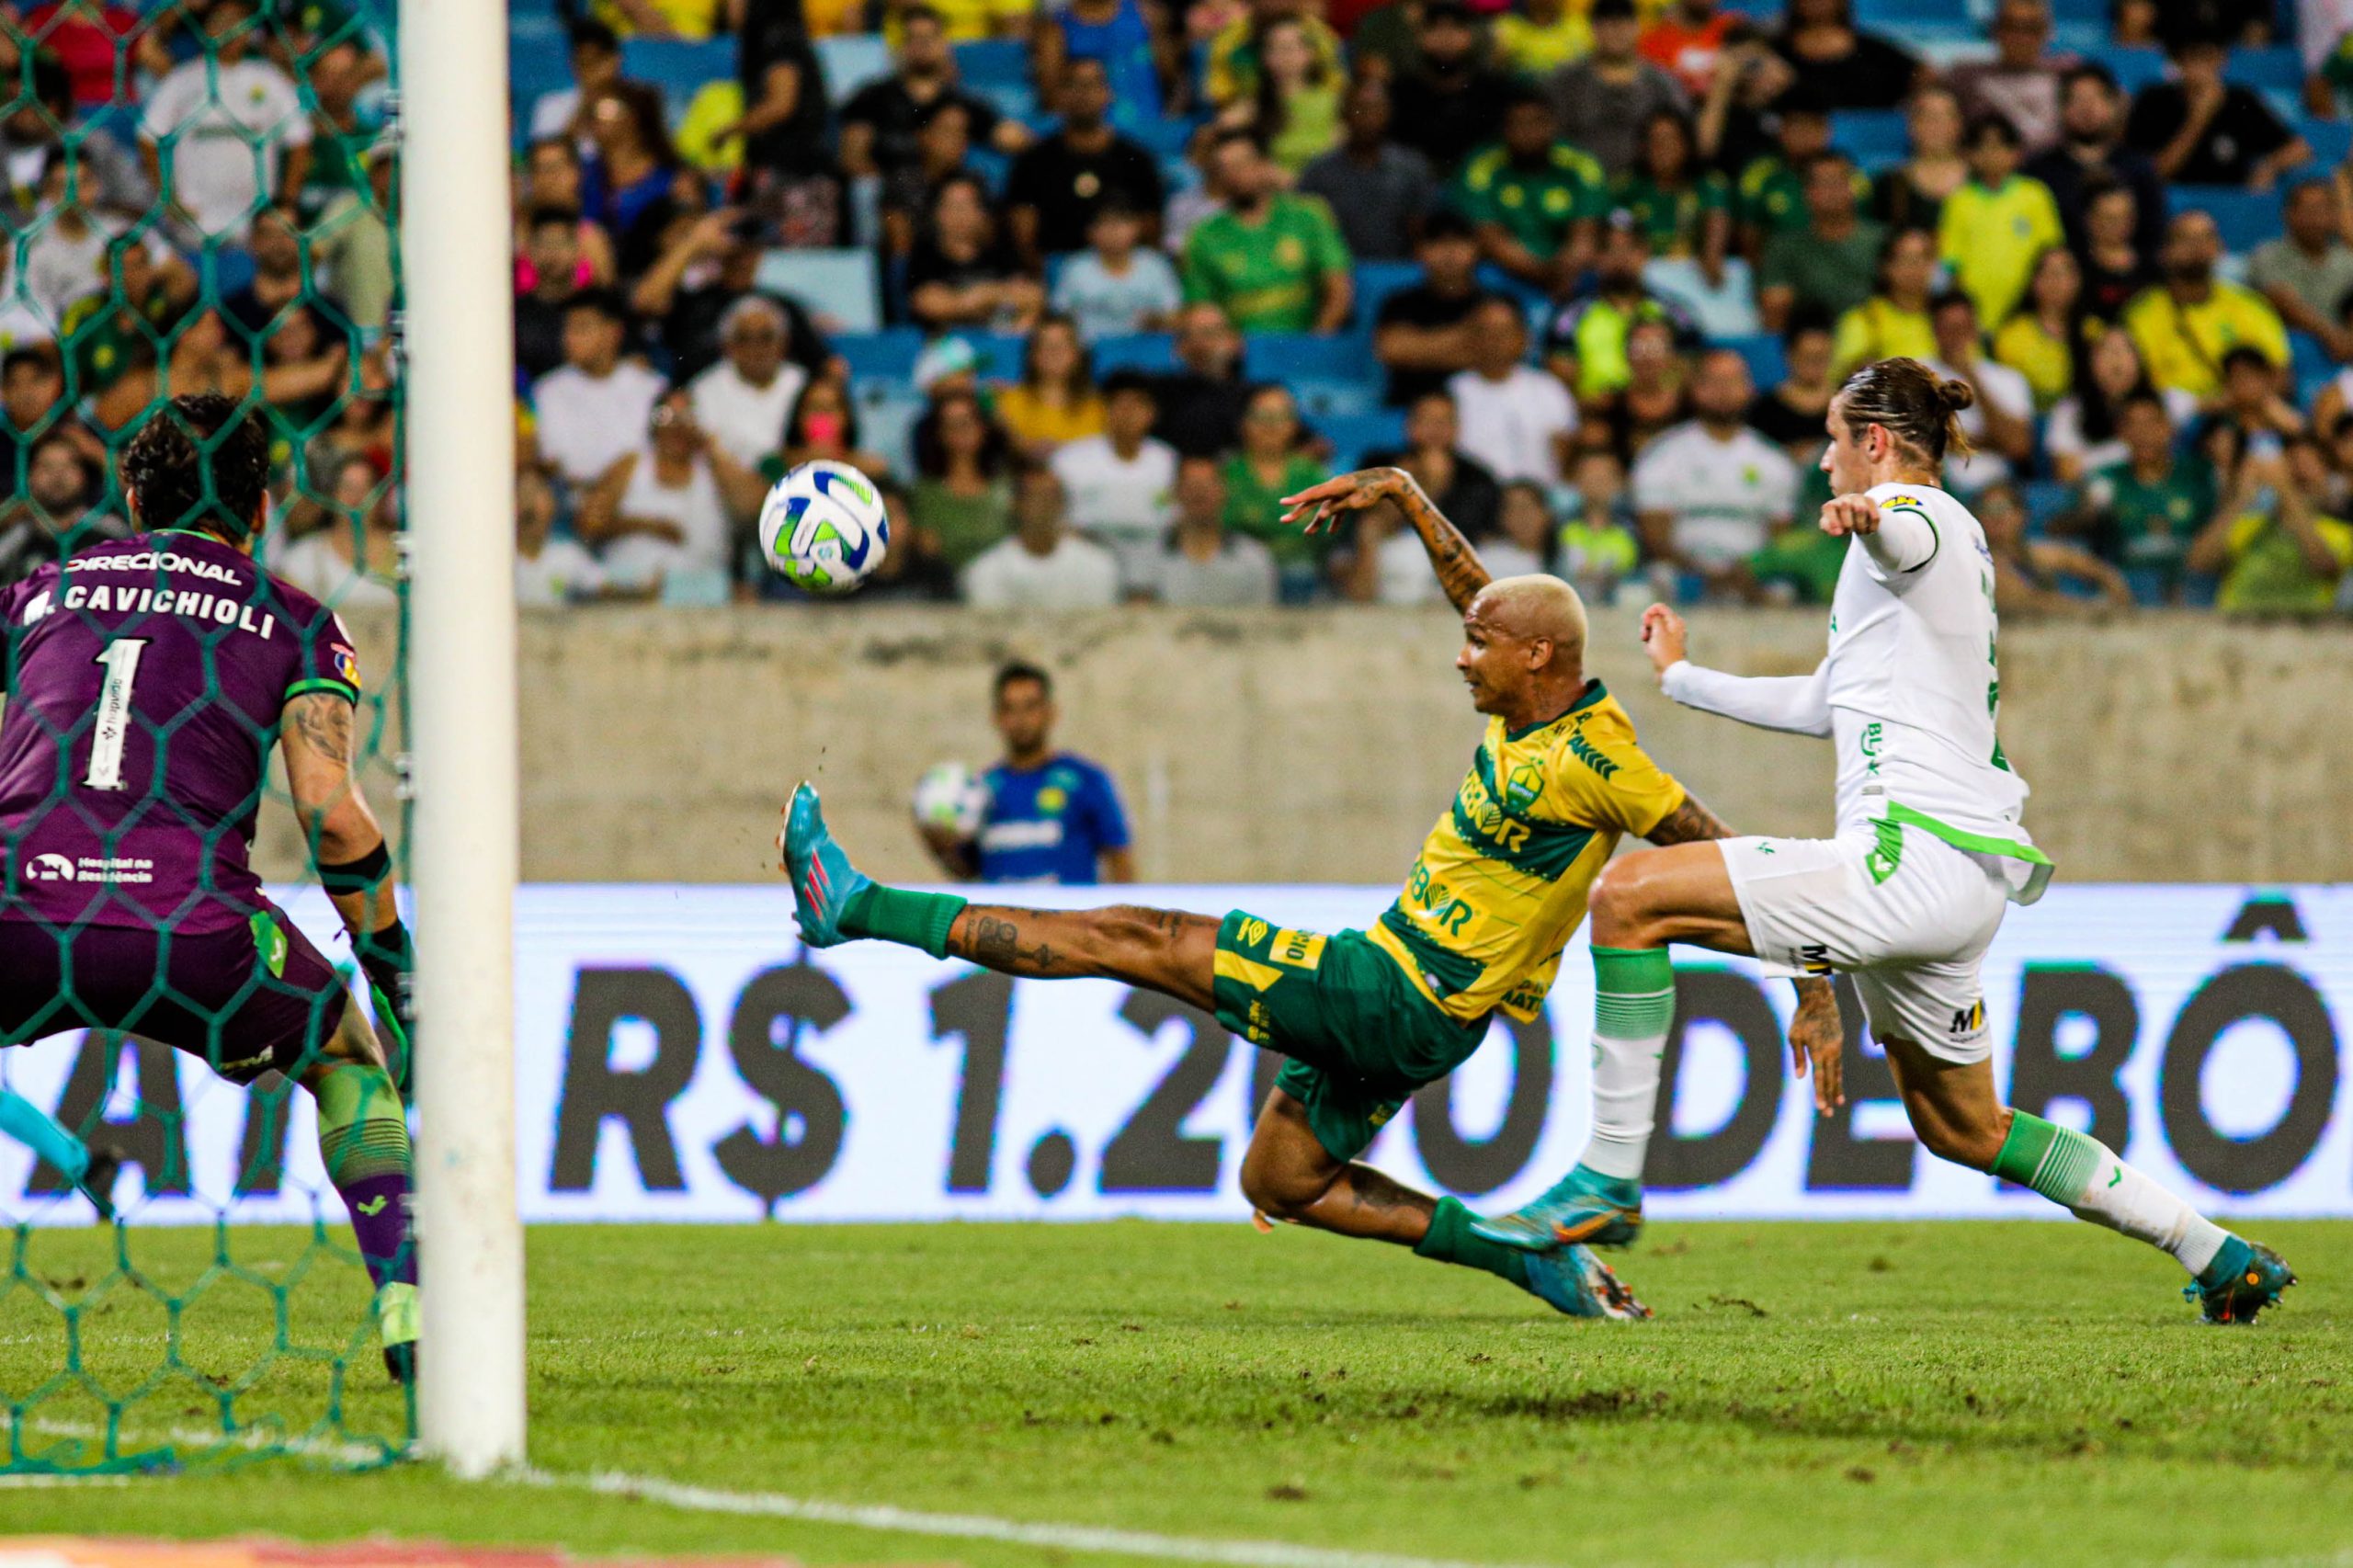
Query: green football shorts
x,y
1360,1036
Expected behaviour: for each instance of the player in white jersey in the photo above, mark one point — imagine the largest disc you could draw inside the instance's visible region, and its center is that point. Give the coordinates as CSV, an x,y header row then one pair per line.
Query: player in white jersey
x,y
1908,894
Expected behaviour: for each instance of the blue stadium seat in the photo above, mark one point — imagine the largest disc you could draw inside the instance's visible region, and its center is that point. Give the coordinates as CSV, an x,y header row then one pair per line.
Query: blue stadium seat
x,y
681,67
1874,138
1015,101
1296,356
1355,434
2312,367
2246,218
992,62
1726,311
2331,140
885,356
225,269
887,414
2267,69
538,63
1919,22
997,354
2046,499
1376,280
1767,363
850,61
1163,137
1320,399
2135,68
836,285
1154,352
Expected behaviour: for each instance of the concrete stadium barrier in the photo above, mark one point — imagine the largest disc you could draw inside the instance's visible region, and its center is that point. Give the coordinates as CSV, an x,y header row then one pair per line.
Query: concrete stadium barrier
x,y
1318,747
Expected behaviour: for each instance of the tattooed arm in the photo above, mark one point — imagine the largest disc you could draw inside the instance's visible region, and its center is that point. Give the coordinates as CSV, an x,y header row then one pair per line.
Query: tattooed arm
x,y
1457,564
317,737
1817,1035
1688,824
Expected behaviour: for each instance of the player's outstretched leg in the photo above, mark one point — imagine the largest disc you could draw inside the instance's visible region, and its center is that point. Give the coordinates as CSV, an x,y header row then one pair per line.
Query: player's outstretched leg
x,y
1639,905
363,1142
1288,1173
90,1167
1162,950
1959,1117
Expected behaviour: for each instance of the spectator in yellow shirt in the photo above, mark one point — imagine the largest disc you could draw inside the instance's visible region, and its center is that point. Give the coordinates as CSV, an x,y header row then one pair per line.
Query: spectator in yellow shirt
x,y
2275,552
2047,335
968,21
1998,223
1550,36
2187,321
659,19
1055,400
1894,320
1232,69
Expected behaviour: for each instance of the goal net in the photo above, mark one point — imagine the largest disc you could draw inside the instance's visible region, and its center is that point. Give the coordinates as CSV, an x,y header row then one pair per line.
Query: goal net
x,y
203,203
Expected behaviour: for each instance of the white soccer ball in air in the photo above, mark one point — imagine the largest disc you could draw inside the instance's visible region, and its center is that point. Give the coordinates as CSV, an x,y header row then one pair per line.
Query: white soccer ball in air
x,y
823,527
952,798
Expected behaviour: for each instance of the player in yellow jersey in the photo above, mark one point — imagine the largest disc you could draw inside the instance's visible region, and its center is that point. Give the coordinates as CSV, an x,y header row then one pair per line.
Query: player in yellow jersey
x,y
1366,1017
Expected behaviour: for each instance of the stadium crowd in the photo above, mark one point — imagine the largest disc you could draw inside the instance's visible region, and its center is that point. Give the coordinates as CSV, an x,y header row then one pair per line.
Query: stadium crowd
x,y
1085,287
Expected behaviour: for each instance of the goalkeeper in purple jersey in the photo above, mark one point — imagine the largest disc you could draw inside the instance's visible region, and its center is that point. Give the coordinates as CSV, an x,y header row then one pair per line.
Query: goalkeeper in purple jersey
x,y
146,680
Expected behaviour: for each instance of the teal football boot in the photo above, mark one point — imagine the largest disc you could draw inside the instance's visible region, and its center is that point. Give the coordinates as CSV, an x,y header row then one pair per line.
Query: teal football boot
x,y
1572,1280
823,881
2243,1280
1583,1207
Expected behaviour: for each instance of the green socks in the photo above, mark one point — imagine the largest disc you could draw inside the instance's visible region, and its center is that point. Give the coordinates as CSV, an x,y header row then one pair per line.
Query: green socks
x,y
1450,1241
2054,1161
2088,1179
363,1130
894,915
1633,1009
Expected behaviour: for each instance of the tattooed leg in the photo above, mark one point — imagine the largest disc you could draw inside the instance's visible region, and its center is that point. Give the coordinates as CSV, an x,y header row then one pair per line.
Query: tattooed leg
x,y
1288,1175
1164,949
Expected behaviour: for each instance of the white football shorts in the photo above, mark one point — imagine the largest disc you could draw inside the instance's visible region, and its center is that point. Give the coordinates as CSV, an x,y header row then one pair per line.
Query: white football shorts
x,y
1905,914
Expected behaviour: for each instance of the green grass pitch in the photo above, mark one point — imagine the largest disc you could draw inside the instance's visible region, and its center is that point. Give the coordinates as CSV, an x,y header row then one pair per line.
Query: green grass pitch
x,y
1851,1393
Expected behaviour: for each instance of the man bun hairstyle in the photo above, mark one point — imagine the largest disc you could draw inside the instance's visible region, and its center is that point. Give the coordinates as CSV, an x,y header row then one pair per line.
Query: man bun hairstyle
x,y
1917,406
200,461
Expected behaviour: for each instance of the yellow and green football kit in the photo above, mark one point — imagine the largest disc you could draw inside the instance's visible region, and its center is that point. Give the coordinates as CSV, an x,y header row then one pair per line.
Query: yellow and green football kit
x,y
1368,1017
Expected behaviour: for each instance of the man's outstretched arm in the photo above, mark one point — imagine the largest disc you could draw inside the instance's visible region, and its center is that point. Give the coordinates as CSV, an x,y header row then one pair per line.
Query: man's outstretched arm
x,y
1460,571
1798,704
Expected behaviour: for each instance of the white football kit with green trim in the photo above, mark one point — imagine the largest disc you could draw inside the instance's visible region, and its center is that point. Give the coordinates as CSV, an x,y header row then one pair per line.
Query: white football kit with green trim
x,y
1928,850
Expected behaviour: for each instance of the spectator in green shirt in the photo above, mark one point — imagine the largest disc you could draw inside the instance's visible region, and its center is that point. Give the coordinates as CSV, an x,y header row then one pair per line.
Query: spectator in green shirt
x,y
340,136
963,498
1770,195
1271,465
2141,514
1685,209
1537,201
2275,553
1830,264
1275,261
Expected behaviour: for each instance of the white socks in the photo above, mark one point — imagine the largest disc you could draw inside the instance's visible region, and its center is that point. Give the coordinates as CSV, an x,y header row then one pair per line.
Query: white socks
x,y
1633,1010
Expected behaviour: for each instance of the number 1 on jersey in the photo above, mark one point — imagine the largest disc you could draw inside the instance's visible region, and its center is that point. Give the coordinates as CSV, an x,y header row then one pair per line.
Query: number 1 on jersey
x,y
113,727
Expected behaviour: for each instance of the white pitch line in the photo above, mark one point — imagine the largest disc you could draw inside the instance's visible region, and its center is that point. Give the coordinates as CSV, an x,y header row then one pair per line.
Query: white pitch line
x,y
39,1479
982,1526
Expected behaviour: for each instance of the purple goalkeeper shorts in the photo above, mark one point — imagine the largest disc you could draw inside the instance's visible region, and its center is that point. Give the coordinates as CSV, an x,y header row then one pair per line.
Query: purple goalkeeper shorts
x,y
246,1000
